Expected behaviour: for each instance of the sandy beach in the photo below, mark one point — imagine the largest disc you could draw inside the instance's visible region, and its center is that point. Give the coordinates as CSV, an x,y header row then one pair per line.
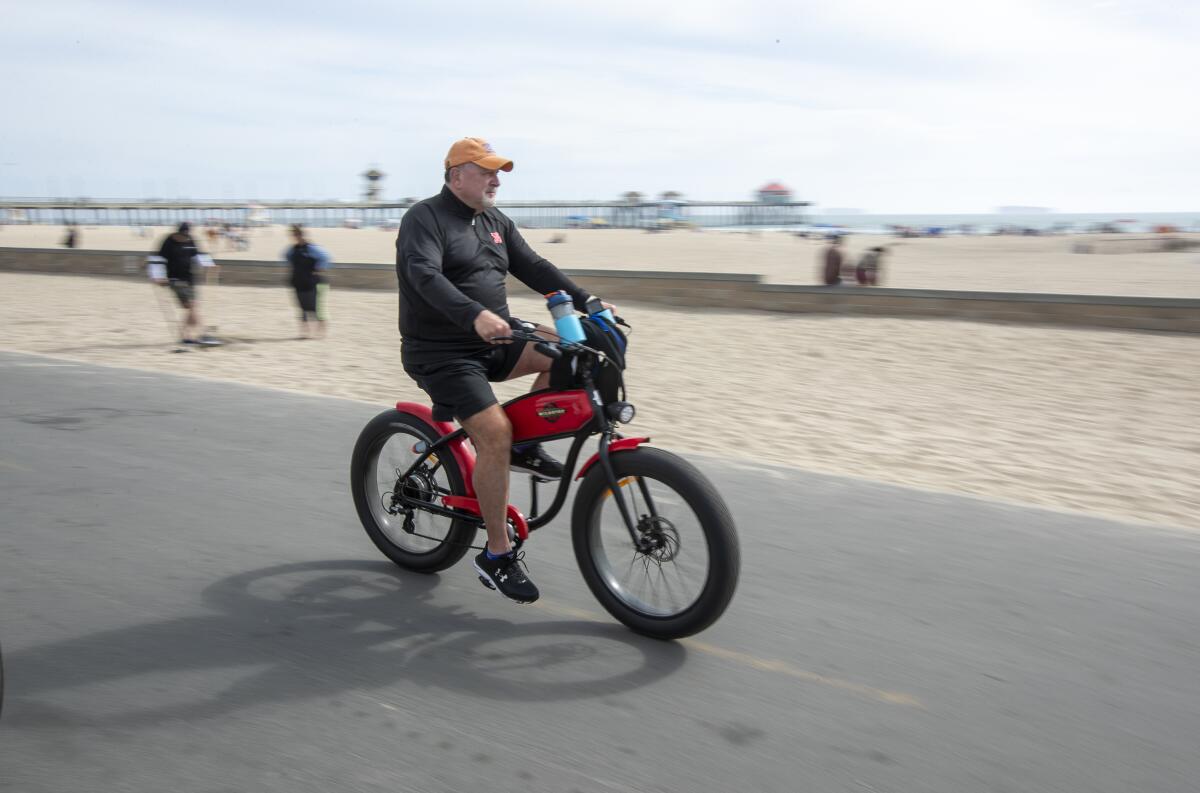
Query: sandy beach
x,y
972,263
1104,422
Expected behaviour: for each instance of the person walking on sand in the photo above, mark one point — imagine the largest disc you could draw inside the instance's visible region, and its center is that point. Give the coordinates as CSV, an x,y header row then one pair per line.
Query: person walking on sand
x,y
179,253
309,265
831,261
867,271
453,253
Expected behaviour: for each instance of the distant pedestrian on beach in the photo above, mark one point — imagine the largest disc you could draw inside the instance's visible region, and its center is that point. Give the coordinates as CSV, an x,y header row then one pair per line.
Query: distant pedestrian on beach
x,y
309,264
867,271
831,261
72,238
235,238
179,254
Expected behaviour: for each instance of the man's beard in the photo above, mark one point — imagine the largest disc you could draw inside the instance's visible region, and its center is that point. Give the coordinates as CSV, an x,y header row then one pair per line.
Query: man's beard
x,y
488,201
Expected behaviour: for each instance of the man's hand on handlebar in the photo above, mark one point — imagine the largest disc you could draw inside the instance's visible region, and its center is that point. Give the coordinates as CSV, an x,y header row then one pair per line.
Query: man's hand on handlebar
x,y
493,328
595,305
544,339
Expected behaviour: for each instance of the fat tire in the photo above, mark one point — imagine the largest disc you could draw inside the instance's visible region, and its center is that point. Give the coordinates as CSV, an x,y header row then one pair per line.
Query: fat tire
x,y
715,520
370,441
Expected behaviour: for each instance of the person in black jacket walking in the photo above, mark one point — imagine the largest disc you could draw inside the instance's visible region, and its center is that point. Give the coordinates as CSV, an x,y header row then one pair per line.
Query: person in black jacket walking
x,y
179,253
453,253
308,265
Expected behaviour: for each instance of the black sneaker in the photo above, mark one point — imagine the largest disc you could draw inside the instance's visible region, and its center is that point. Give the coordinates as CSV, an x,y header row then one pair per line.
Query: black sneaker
x,y
534,460
506,575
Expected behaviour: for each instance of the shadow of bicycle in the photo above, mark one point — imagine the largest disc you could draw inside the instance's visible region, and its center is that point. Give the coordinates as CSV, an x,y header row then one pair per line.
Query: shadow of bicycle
x,y
321,629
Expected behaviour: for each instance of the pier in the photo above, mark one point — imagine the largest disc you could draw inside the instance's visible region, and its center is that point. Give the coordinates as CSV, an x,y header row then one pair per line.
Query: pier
x,y
528,214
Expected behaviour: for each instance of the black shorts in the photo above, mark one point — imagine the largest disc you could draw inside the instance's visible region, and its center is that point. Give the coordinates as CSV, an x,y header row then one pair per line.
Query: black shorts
x,y
184,292
307,298
460,387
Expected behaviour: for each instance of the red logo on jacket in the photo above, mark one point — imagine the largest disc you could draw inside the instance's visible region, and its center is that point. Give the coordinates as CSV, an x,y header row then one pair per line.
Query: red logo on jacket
x,y
496,238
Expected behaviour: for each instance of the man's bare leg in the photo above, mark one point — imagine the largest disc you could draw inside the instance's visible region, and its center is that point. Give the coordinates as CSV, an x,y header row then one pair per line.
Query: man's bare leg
x,y
529,456
532,361
191,321
491,433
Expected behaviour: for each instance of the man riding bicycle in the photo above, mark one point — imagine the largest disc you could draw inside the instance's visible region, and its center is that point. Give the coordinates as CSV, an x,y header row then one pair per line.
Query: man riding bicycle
x,y
452,255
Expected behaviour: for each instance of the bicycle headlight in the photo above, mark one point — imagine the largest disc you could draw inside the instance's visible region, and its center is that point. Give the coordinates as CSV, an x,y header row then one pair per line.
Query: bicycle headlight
x,y
621,411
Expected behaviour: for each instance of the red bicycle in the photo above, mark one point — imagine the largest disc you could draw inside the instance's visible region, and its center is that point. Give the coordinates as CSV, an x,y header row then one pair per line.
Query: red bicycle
x,y
653,538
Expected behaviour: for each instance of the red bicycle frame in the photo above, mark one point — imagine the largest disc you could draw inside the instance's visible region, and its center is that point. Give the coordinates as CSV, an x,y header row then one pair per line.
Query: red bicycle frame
x,y
537,416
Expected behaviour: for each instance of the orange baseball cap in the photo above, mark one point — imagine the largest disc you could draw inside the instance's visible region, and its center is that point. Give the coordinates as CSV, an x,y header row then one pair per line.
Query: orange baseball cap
x,y
478,151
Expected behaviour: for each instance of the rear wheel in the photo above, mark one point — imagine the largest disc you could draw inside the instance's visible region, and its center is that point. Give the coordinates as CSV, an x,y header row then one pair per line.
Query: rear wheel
x,y
389,506
681,574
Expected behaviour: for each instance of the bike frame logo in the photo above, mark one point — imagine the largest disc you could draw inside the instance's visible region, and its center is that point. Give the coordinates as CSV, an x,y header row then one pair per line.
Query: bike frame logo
x,y
551,412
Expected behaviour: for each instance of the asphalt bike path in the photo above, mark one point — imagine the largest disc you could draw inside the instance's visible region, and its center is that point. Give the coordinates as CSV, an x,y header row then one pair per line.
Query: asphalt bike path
x,y
188,603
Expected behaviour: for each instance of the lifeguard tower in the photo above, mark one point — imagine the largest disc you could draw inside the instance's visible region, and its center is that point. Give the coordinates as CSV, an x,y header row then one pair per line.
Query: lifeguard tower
x,y
671,206
373,186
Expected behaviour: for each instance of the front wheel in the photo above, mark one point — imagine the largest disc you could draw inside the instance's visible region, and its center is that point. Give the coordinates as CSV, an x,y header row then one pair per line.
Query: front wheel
x,y
680,576
389,505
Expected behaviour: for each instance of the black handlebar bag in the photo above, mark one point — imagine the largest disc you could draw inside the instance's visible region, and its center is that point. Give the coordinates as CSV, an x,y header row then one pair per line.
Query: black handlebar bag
x,y
603,336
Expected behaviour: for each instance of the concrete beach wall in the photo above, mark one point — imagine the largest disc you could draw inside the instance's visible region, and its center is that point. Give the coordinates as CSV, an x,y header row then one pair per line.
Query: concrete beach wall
x,y
711,290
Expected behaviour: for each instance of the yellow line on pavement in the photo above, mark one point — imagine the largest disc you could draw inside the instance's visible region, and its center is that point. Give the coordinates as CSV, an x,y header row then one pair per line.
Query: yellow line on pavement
x,y
761,664
784,668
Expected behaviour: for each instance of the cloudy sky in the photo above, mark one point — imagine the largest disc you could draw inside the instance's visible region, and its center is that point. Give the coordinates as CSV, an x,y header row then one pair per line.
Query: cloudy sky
x,y
921,106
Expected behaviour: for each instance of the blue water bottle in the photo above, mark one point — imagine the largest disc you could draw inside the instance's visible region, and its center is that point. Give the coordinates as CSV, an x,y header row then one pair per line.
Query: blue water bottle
x,y
566,323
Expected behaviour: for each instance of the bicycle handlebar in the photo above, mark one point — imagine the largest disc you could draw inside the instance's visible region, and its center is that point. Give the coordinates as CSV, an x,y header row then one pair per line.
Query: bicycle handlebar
x,y
551,348
556,347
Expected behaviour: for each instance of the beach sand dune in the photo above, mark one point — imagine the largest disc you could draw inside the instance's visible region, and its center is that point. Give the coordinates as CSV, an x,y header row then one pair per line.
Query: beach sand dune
x,y
1105,422
972,263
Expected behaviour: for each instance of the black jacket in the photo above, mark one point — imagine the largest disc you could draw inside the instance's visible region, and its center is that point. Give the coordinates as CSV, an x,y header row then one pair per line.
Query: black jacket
x,y
304,275
179,257
451,264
